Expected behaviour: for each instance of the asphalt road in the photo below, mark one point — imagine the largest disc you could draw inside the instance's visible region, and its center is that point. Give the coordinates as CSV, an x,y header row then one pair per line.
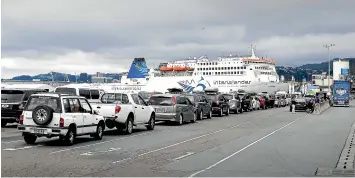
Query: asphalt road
x,y
270,142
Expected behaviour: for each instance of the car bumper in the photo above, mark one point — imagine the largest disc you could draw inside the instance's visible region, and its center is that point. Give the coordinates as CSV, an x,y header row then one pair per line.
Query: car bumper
x,y
216,110
166,117
43,131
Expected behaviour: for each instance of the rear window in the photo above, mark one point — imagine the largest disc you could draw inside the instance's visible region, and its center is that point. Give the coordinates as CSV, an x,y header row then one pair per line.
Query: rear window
x,y
211,97
191,98
117,98
35,101
12,96
160,100
228,97
71,91
241,96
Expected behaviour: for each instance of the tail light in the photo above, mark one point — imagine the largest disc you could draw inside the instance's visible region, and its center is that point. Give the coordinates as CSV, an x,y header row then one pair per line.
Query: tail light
x,y
173,100
117,109
61,122
21,119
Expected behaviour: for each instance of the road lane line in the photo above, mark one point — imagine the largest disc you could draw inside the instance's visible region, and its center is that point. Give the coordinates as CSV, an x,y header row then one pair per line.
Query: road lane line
x,y
11,141
251,144
92,153
183,156
179,143
22,148
99,143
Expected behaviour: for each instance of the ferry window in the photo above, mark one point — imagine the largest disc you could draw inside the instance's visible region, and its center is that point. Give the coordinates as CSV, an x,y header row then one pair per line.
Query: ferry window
x,y
241,72
228,68
203,73
237,67
235,72
245,67
251,69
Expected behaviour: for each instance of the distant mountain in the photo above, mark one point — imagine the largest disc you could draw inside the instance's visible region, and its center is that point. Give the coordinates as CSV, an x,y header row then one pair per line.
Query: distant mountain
x,y
302,72
306,71
83,77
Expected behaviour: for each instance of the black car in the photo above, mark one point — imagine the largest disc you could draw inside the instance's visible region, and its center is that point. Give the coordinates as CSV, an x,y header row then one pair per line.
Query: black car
x,y
300,104
234,101
12,103
202,105
220,105
245,101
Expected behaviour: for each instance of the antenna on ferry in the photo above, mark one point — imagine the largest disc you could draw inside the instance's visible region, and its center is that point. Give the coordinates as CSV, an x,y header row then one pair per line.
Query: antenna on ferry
x,y
252,52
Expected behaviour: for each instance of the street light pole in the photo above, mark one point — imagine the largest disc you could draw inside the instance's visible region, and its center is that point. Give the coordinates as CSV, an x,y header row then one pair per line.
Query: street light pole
x,y
328,48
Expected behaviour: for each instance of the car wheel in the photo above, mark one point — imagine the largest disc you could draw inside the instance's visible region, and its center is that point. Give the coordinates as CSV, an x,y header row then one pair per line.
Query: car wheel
x,y
209,116
227,113
129,126
151,123
220,113
194,118
201,115
181,120
70,137
99,132
30,139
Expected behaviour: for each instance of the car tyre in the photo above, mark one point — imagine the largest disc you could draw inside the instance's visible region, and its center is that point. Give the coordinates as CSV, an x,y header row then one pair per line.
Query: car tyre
x,y
30,139
99,132
220,114
194,118
181,120
200,117
129,126
227,113
70,137
209,116
151,123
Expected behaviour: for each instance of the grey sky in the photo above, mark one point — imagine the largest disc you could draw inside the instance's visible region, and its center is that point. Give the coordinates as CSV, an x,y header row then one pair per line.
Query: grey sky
x,y
95,35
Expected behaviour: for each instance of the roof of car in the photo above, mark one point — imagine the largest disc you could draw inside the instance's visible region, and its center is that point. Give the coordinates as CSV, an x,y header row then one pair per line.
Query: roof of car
x,y
57,95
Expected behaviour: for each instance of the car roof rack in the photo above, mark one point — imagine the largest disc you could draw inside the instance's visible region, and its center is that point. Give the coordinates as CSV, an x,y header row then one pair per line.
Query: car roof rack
x,y
176,91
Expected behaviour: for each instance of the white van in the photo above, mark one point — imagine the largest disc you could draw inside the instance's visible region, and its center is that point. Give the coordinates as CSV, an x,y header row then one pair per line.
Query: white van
x,y
91,94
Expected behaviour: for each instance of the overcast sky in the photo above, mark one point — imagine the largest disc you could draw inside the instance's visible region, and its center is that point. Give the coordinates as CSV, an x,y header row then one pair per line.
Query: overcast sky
x,y
70,36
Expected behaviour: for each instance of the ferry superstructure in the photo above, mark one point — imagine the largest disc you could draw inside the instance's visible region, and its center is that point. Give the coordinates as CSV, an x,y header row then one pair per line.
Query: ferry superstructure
x,y
228,73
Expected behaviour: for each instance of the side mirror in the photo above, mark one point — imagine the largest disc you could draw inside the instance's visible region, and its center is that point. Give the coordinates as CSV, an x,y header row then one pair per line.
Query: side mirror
x,y
95,112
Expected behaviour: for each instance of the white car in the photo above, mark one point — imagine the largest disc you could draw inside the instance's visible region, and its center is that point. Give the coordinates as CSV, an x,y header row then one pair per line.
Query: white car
x,y
125,110
255,103
53,114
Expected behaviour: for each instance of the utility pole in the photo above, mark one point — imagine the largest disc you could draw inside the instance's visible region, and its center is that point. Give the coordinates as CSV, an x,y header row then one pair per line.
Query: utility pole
x,y
328,46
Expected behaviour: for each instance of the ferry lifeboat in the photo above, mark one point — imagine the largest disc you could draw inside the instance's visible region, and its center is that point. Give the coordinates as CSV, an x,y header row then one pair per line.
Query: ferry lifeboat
x,y
180,68
166,68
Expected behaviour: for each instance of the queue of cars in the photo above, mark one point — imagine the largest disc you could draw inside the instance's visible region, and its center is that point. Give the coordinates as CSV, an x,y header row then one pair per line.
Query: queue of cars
x,y
68,113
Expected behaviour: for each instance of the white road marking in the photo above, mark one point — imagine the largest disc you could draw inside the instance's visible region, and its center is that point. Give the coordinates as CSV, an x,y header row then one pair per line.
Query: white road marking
x,y
185,141
11,141
226,158
183,156
106,151
22,148
122,138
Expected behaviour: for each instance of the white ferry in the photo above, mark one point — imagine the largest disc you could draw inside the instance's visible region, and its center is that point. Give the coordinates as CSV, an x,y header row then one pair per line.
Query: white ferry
x,y
228,73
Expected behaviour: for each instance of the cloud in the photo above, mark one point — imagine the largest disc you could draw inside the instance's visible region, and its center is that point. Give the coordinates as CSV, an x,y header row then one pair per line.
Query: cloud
x,y
92,35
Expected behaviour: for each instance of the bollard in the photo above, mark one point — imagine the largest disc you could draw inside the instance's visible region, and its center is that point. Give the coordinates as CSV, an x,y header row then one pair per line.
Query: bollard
x,y
293,108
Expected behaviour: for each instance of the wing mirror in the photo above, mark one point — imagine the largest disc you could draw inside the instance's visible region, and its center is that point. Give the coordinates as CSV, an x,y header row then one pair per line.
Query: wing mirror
x,y
95,112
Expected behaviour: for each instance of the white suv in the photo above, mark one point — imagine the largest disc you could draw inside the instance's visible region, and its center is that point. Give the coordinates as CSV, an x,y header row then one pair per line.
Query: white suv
x,y
54,114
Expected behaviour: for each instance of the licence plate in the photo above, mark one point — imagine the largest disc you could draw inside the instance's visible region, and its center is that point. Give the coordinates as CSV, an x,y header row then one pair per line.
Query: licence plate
x,y
160,110
39,131
340,102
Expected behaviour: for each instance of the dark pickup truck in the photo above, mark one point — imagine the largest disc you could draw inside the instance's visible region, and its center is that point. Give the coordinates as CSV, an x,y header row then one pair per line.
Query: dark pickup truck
x,y
246,101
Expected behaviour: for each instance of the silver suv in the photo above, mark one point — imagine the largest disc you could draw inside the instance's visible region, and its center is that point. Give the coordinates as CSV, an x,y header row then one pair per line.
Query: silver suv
x,y
173,107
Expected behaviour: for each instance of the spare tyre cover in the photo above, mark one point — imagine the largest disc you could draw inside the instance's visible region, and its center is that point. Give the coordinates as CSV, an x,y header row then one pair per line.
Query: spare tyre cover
x,y
42,115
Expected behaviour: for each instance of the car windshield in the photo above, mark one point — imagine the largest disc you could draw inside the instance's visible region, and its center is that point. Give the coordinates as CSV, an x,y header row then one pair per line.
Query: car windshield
x,y
117,98
12,96
35,101
160,100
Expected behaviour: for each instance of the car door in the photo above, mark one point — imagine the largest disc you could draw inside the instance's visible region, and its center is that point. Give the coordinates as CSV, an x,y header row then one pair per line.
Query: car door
x,y
145,109
181,105
88,117
138,111
222,102
204,103
76,115
191,108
